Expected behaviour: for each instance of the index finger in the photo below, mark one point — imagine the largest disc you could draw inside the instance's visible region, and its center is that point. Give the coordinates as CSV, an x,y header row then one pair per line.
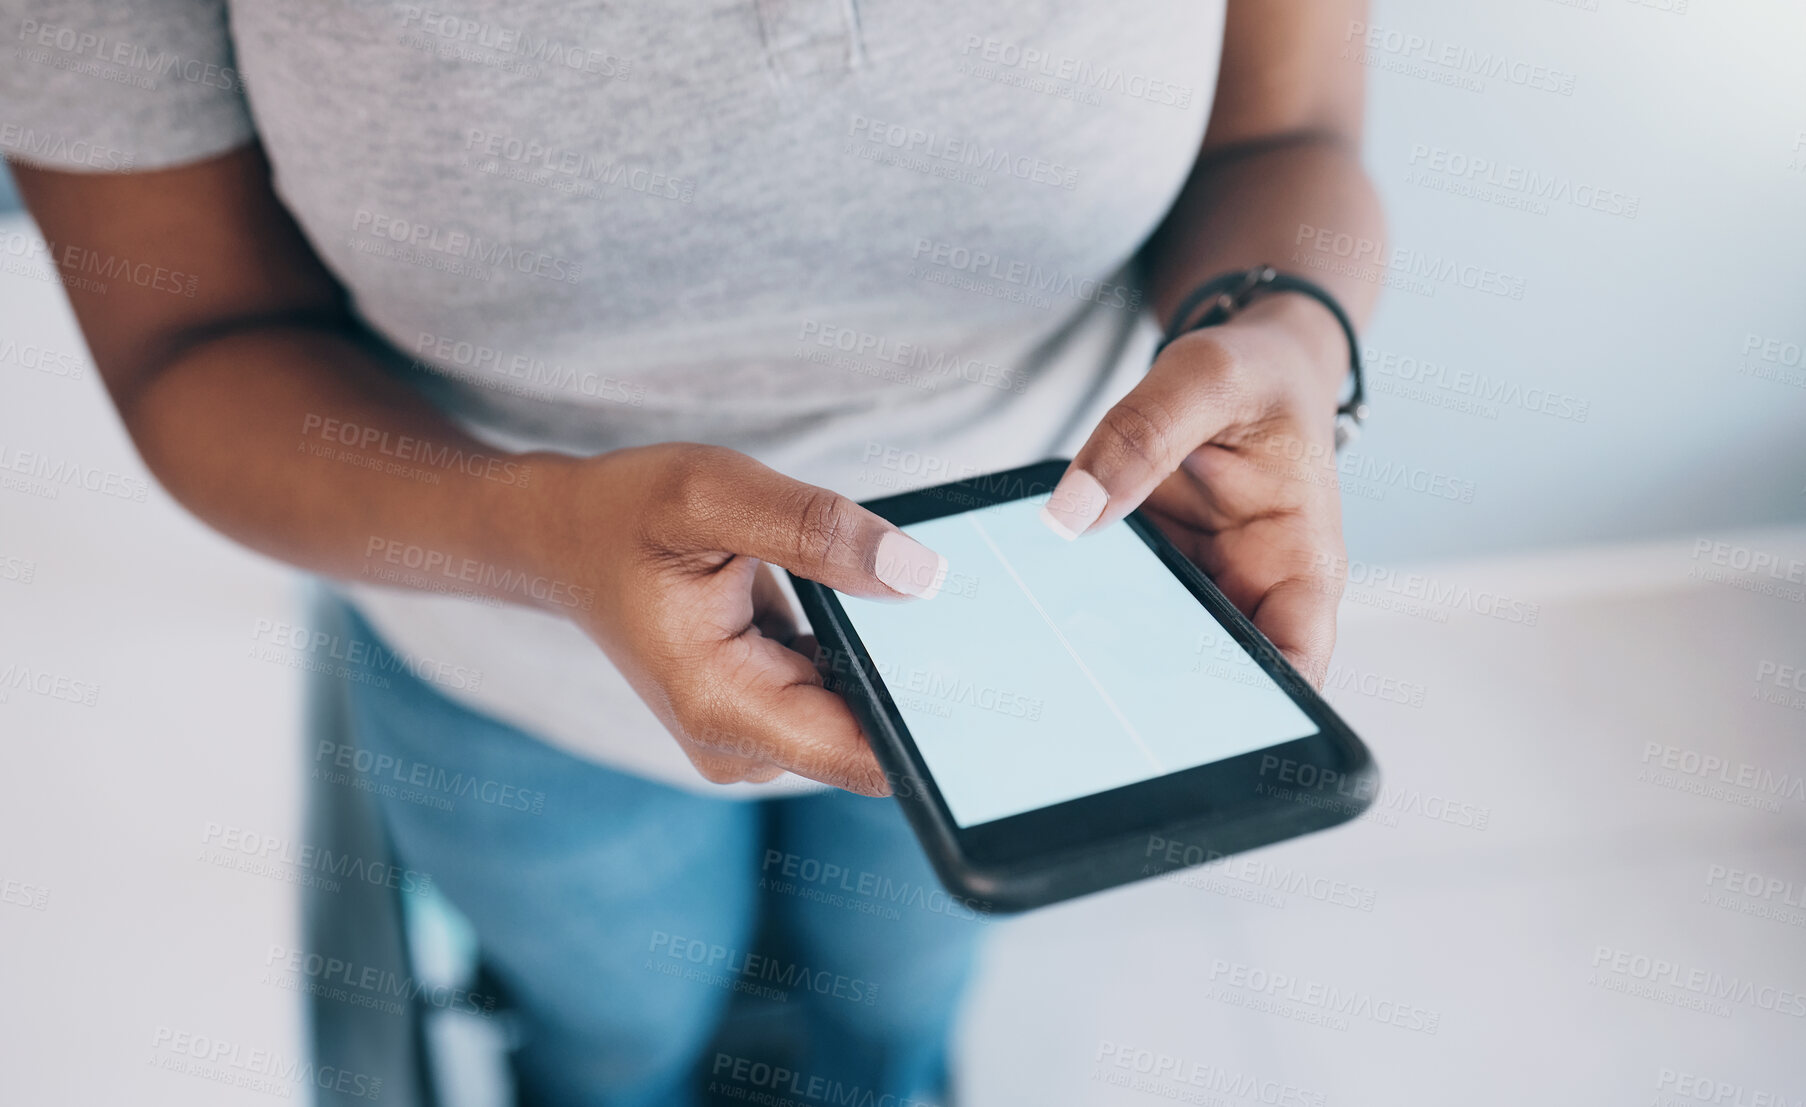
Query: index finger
x,y
1188,397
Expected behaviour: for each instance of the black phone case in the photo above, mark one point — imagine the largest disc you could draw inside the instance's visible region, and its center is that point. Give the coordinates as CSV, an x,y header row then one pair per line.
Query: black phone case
x,y
1106,863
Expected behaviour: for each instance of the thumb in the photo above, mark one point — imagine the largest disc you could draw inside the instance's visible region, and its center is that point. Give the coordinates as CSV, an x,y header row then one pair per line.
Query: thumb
x,y
1177,407
740,506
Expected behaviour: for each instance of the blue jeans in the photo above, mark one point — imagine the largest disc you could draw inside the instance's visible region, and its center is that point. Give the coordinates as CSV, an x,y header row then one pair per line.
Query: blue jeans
x,y
623,915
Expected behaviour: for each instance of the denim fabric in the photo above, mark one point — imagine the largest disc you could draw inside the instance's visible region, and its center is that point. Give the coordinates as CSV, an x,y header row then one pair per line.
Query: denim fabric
x,y
623,916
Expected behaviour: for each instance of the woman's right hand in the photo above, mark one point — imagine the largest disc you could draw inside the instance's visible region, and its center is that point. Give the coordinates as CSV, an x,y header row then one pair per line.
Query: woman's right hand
x,y
677,542
671,538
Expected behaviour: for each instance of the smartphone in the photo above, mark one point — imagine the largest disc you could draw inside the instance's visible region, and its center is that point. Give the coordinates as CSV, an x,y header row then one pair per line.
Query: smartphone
x,y
1069,716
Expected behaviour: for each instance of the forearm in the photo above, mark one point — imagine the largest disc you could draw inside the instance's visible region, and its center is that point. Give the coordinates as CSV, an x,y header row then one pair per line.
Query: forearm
x,y
1263,205
294,440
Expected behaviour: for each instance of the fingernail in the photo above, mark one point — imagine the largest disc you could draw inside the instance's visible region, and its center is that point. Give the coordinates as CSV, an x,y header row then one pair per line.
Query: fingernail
x,y
910,567
1076,503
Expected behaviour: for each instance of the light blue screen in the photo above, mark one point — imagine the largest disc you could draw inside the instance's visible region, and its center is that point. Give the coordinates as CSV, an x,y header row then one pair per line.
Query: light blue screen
x,y
1047,670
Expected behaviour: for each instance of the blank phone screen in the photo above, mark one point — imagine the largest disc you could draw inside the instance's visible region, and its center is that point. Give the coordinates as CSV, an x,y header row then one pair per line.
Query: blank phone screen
x,y
1048,670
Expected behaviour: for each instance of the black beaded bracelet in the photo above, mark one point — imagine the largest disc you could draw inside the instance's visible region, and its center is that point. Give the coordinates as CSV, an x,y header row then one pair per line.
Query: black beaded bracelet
x,y
1232,292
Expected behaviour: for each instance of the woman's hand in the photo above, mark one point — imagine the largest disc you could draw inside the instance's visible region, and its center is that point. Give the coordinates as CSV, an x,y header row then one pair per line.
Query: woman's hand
x,y
677,541
1230,441
670,538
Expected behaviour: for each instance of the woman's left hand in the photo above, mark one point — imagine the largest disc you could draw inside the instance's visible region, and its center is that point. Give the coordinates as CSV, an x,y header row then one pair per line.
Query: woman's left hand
x,y
1229,445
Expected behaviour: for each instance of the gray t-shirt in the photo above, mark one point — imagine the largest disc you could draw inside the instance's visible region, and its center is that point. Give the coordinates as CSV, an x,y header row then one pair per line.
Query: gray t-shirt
x,y
875,244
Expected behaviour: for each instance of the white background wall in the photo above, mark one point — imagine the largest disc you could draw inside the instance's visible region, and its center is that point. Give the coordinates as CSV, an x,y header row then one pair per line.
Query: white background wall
x,y
1701,117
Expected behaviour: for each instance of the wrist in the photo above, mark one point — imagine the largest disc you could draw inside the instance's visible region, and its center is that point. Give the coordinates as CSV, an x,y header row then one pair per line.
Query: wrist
x,y
1321,347
531,525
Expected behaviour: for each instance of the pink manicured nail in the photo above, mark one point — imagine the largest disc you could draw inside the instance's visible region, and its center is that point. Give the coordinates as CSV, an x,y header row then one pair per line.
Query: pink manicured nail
x,y
910,567
1076,503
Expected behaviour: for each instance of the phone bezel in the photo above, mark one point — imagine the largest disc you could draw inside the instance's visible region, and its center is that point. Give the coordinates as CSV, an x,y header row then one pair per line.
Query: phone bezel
x,y
1236,790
